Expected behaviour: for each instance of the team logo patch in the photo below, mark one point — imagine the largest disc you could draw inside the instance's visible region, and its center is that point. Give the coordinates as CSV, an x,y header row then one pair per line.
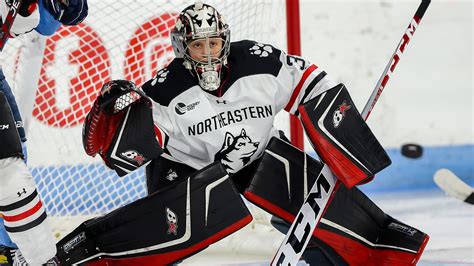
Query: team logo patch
x,y
339,114
172,221
236,151
160,77
261,50
171,175
182,108
133,156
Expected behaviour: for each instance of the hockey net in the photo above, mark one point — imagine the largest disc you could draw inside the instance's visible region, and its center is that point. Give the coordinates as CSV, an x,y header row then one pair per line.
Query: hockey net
x,y
56,79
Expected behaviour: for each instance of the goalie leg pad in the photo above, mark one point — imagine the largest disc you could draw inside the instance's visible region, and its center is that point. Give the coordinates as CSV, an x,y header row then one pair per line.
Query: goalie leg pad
x,y
11,145
363,234
283,179
341,137
279,186
163,227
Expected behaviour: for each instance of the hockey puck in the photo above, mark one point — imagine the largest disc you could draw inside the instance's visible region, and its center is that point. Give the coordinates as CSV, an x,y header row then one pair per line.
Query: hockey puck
x,y
412,150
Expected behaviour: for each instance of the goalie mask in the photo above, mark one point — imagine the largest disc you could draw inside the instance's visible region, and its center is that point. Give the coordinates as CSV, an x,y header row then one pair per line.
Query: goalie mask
x,y
202,38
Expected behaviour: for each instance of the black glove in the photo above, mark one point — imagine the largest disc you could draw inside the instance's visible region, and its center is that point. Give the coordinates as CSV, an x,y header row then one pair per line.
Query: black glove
x,y
68,12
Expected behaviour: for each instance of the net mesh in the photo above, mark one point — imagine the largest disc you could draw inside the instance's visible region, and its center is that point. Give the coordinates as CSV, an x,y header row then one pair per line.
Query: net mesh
x,y
56,79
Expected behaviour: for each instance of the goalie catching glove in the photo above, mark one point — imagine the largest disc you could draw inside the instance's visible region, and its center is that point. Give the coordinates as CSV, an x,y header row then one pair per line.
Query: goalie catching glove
x,y
119,127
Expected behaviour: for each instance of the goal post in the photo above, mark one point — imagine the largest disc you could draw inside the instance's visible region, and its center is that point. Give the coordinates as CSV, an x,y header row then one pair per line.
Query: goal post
x,y
293,38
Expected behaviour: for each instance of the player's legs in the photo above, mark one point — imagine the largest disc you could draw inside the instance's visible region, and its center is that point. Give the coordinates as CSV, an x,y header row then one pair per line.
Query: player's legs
x,y
6,245
5,240
24,213
20,204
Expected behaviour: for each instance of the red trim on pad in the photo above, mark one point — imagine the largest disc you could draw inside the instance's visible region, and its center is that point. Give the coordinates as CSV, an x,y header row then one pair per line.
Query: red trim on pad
x,y
342,167
297,90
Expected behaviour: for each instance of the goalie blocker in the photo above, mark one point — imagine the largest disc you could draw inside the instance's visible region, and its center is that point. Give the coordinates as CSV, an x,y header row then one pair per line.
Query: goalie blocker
x,y
341,137
351,224
163,227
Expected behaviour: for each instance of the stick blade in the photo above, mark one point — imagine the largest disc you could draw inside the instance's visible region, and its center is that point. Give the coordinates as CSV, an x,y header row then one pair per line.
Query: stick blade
x,y
453,185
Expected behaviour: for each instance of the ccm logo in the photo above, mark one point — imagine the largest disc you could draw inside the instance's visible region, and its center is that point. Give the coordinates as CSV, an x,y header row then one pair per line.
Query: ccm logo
x,y
306,221
3,127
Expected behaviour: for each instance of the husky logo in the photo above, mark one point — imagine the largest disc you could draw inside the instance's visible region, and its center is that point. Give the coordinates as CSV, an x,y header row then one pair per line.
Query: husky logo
x,y
133,156
172,221
236,151
261,50
339,114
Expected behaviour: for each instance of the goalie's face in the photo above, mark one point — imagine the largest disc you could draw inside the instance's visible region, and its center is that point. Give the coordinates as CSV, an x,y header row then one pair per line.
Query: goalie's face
x,y
207,50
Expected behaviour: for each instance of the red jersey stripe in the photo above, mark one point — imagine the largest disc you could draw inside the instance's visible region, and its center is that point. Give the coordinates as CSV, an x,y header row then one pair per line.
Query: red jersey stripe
x,y
297,90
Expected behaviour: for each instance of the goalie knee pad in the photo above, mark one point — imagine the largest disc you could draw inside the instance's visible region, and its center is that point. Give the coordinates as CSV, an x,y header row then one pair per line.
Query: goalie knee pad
x,y
341,137
282,179
11,144
163,227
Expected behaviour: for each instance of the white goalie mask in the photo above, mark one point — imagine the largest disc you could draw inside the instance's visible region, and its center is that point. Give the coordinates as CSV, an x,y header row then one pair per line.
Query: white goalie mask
x,y
202,38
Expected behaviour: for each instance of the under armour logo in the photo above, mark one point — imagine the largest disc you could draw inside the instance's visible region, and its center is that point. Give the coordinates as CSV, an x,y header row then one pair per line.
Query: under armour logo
x,y
223,101
19,193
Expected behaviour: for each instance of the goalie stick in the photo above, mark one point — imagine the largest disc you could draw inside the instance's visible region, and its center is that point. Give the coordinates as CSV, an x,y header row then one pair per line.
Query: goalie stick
x,y
6,26
453,185
319,197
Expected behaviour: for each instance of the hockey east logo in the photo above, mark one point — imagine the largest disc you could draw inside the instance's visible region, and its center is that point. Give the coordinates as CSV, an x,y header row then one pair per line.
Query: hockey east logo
x,y
236,151
172,221
339,114
182,108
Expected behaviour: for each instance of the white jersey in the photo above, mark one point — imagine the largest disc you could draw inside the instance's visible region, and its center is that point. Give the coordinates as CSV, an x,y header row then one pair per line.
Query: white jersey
x,y
21,24
234,126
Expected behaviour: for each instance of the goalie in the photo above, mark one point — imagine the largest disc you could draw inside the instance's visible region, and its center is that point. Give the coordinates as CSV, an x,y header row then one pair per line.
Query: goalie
x,y
25,219
210,114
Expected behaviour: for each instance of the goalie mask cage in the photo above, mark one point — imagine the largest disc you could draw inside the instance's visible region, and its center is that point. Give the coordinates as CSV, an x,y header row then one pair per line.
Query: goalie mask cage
x,y
56,79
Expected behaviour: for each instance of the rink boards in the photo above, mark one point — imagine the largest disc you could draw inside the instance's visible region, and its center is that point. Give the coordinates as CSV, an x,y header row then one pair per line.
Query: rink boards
x,y
67,190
